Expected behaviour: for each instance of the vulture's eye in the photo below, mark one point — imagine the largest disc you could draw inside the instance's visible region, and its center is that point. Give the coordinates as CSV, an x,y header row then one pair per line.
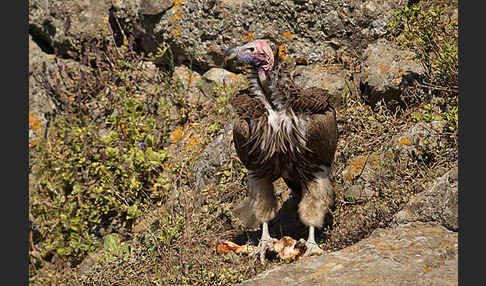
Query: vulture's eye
x,y
251,49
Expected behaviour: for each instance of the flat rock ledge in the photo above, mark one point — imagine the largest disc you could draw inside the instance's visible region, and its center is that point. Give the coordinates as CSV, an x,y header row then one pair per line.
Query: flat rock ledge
x,y
415,253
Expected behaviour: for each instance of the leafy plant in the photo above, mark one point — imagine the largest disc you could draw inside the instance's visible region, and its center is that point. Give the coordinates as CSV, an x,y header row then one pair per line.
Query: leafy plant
x,y
433,36
103,152
432,33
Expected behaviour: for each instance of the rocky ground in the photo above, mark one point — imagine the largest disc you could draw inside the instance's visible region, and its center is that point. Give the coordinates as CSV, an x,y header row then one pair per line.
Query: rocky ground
x,y
420,247
396,216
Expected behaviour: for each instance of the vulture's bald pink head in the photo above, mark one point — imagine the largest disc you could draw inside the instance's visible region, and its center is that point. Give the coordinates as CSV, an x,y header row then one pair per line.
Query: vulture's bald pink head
x,y
257,53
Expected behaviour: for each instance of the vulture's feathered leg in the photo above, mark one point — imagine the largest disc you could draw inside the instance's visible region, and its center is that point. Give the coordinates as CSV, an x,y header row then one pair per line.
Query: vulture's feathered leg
x,y
265,206
317,198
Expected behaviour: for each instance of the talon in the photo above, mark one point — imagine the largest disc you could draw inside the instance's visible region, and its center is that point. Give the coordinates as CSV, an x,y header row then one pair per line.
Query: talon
x,y
312,249
263,245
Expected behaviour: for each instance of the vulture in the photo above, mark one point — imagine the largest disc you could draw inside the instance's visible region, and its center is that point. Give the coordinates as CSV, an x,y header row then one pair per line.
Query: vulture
x,y
282,131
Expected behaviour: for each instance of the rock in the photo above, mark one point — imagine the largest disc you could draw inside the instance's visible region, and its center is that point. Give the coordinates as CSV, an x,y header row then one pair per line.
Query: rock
x,y
221,77
317,75
42,104
363,171
356,194
149,74
439,203
198,89
39,103
233,3
413,254
216,79
187,77
36,56
401,148
150,69
154,7
386,70
57,25
414,141
216,154
360,172
91,261
199,31
191,83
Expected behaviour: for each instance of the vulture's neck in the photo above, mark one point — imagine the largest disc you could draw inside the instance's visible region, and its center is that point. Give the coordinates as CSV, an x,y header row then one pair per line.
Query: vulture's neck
x,y
261,83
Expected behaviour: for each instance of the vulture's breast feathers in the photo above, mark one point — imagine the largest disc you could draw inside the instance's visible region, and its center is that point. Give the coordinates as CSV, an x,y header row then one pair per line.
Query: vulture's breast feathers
x,y
282,129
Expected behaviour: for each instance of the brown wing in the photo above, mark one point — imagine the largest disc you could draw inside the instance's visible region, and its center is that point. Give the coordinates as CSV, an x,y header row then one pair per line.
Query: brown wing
x,y
322,136
313,100
321,133
241,135
247,106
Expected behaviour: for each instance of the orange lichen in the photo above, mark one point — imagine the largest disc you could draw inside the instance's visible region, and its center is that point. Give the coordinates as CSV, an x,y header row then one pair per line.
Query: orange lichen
x,y
405,141
212,49
168,165
354,168
177,4
248,37
175,32
190,78
34,122
32,144
434,66
357,165
282,51
193,79
175,17
383,68
233,77
176,134
179,134
193,141
288,35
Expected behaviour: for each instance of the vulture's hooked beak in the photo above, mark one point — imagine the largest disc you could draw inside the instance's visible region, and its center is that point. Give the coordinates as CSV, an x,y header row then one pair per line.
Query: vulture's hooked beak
x,y
230,54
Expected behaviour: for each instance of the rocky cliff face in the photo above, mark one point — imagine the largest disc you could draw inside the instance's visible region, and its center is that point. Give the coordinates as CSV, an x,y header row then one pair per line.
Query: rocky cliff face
x,y
199,31
196,33
380,234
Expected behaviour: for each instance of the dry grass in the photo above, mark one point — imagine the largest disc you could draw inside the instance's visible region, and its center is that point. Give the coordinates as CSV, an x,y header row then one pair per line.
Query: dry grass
x,y
172,242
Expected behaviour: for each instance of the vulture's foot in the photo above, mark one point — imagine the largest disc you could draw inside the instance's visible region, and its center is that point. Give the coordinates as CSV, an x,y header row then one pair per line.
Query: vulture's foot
x,y
263,246
312,249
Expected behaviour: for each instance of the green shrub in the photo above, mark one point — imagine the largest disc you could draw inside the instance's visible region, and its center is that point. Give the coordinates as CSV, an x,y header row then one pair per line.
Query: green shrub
x,y
434,37
95,170
432,33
